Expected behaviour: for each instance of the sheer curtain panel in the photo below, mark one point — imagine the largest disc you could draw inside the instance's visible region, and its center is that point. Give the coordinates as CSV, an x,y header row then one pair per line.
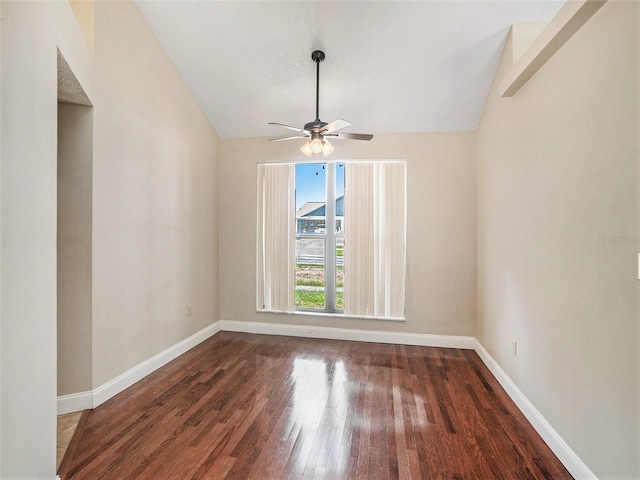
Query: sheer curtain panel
x,y
276,238
375,239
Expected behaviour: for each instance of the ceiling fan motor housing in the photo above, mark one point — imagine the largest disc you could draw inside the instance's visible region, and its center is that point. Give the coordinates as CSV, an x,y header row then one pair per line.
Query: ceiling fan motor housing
x,y
314,126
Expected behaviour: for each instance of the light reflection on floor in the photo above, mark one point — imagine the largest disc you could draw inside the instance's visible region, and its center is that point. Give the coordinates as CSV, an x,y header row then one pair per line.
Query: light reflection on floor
x,y
317,389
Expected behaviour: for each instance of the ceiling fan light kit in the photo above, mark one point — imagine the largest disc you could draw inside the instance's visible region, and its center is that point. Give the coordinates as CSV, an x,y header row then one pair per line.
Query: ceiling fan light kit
x,y
318,131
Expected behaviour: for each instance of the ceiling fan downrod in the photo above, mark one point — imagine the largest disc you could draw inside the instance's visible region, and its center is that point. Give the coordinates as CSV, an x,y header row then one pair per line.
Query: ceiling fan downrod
x,y
317,56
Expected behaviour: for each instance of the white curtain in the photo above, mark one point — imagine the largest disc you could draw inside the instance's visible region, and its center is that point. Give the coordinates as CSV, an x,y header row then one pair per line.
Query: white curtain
x,y
375,239
276,238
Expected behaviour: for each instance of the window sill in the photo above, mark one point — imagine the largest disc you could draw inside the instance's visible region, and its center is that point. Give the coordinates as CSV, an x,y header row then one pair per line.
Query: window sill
x,y
334,315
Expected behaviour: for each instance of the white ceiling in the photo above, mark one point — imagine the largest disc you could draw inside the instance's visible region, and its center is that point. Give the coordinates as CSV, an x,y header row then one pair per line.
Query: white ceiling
x,y
391,67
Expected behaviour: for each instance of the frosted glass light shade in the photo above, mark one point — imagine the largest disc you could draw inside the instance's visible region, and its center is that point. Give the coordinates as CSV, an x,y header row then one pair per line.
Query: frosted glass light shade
x,y
306,149
316,145
327,148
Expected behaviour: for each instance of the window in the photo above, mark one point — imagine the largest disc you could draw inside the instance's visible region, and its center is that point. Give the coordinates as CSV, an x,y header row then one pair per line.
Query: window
x,y
319,251
332,238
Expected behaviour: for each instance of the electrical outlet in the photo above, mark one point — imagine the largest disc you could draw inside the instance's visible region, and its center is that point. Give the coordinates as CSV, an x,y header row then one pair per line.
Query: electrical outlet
x,y
188,310
515,348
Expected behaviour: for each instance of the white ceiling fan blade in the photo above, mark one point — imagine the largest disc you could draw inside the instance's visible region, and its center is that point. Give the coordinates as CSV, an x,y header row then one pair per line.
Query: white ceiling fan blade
x,y
277,139
296,129
335,125
352,136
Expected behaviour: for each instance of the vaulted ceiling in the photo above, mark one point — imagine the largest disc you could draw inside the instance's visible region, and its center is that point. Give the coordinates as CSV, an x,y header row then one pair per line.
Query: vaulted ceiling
x,y
391,67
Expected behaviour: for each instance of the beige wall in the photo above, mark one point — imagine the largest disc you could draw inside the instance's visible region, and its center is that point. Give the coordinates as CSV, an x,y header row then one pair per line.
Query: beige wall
x,y
84,11
75,182
441,253
0,242
558,239
154,211
154,199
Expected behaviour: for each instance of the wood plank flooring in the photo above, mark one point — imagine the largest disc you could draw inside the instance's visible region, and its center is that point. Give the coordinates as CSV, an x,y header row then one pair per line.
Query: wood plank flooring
x,y
242,406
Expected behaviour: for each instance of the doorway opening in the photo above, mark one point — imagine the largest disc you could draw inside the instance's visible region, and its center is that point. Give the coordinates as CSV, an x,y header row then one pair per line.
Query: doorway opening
x,y
74,244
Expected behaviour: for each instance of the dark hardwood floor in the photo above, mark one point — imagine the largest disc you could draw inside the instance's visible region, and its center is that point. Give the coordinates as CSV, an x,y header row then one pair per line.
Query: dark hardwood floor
x,y
242,406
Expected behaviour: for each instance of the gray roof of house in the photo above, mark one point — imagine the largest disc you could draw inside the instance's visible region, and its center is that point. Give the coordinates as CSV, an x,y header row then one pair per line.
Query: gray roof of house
x,y
318,209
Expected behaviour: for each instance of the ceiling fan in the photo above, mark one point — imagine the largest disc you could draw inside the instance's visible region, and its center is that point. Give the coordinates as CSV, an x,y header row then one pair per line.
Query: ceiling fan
x,y
317,131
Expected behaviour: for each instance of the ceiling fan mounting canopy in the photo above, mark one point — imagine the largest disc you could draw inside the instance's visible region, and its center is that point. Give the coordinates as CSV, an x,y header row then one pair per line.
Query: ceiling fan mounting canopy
x,y
317,130
317,56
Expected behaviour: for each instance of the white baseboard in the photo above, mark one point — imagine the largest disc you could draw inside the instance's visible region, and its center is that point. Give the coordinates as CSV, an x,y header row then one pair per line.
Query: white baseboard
x,y
565,454
85,400
331,333
137,373
75,402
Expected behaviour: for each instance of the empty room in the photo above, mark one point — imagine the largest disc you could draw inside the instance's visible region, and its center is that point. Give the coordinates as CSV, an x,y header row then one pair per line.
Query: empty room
x,y
319,240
